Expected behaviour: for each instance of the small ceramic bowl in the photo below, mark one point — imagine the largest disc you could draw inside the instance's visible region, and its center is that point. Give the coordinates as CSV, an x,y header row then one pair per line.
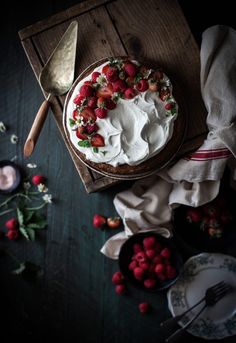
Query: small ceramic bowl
x,y
15,180
164,275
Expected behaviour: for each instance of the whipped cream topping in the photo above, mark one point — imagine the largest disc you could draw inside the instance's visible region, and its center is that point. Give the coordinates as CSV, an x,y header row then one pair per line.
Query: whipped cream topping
x,y
133,132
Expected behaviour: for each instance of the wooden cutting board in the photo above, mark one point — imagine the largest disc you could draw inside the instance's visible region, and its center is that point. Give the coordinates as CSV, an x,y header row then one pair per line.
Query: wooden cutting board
x,y
152,30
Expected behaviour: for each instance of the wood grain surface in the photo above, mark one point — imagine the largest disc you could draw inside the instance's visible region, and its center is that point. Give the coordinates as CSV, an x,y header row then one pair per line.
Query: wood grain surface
x,y
105,31
74,299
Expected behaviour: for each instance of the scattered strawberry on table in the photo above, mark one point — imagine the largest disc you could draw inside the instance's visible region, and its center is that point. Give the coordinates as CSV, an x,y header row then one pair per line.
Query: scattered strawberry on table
x,y
101,222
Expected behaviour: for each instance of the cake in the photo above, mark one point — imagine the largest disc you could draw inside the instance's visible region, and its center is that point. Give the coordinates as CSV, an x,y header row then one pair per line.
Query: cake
x,y
119,116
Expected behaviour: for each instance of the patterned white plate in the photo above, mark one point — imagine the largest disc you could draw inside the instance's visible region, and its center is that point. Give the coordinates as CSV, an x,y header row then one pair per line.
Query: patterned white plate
x,y
199,273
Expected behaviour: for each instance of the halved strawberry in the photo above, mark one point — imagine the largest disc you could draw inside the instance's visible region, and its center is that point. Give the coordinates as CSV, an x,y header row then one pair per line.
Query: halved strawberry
x,y
101,102
97,140
81,133
110,104
101,112
92,102
105,68
105,92
75,114
87,114
95,75
78,99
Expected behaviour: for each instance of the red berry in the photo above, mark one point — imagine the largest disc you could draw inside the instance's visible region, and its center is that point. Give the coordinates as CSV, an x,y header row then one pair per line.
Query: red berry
x,y
144,307
12,234
91,128
171,272
160,268
78,99
101,112
193,215
101,102
117,278
138,273
110,104
37,179
12,224
112,74
151,253
99,221
133,264
164,94
81,133
119,86
88,114
149,242
157,259
142,85
105,91
92,103
137,248
144,265
105,68
166,253
141,256
149,283
95,75
120,289
162,276
130,69
86,90
114,222
97,140
130,93
75,114
169,106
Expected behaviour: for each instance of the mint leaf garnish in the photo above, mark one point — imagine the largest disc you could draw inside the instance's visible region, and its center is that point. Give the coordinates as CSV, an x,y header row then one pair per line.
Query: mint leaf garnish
x,y
84,144
104,152
95,149
71,122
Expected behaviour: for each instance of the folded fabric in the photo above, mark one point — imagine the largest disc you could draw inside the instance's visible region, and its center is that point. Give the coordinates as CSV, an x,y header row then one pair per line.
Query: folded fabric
x,y
194,179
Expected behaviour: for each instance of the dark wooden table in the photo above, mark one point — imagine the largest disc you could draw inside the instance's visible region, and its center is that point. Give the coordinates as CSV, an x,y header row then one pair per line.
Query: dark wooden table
x,y
74,299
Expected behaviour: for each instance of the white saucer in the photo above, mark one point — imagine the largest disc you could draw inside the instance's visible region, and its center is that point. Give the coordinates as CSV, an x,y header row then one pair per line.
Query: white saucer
x,y
199,273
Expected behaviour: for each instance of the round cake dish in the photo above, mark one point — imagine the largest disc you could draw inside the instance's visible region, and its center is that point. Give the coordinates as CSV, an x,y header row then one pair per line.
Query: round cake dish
x,y
123,126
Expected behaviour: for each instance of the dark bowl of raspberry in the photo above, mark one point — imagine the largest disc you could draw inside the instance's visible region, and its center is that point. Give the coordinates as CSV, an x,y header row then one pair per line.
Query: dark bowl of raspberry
x,y
150,261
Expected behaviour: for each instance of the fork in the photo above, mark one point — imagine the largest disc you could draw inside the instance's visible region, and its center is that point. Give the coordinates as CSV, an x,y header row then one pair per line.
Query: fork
x,y
212,296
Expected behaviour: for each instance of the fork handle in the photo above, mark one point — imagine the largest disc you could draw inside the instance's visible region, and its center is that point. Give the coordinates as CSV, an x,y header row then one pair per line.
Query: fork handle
x,y
178,334
167,324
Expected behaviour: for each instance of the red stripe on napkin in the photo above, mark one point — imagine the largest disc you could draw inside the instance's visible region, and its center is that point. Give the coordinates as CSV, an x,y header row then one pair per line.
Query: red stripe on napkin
x,y
206,155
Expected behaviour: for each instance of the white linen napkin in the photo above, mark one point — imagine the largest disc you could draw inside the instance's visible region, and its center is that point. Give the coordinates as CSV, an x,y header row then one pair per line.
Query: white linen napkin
x,y
194,179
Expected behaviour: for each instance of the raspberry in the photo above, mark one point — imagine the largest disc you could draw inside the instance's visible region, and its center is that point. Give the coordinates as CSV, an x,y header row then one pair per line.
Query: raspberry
x,y
162,277
37,179
171,272
138,273
160,268
137,248
99,221
95,75
144,307
12,234
193,215
120,289
149,283
12,224
151,253
149,242
144,265
130,69
157,259
117,278
166,253
141,256
142,85
130,93
133,264
86,90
